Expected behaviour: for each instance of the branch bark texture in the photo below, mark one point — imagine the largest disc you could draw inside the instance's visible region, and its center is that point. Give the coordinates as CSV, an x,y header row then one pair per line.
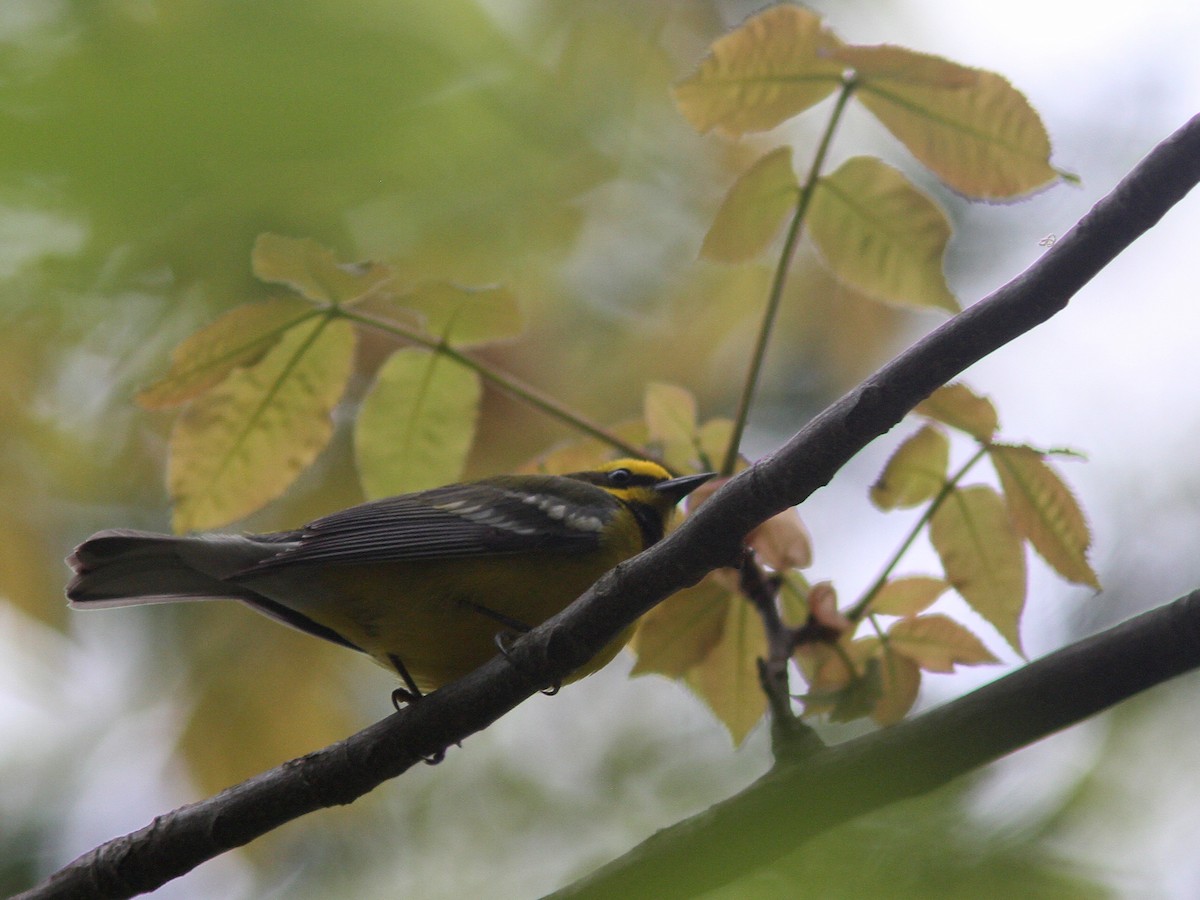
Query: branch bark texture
x,y
178,841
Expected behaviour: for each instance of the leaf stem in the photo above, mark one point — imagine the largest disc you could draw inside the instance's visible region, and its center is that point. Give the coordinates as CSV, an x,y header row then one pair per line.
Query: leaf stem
x,y
779,280
523,392
856,612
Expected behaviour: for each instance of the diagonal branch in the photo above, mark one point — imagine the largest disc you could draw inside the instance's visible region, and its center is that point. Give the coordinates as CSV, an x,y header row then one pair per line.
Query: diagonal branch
x,y
796,802
178,841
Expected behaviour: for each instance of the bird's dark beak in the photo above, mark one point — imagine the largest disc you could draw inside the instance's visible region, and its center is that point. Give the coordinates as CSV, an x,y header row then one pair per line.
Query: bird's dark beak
x,y
678,488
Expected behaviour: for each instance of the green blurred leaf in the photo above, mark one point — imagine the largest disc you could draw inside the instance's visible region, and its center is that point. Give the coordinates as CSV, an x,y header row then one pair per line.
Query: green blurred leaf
x,y
464,316
970,127
313,271
776,65
1046,512
417,423
880,235
915,472
245,441
238,338
670,413
754,209
983,556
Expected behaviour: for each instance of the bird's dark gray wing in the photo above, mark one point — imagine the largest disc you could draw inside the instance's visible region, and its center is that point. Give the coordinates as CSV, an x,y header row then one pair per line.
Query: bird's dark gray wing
x,y
477,519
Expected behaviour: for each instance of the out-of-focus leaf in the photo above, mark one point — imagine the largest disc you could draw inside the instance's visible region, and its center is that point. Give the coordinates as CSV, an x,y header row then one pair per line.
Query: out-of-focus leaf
x,y
938,643
727,678
908,596
238,725
915,472
960,407
970,127
899,682
776,65
238,338
681,631
313,271
417,423
753,210
882,236
782,542
244,442
1046,512
670,413
714,438
463,316
585,454
983,556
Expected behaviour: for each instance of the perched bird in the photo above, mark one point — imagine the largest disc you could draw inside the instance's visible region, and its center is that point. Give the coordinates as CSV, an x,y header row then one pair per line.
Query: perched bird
x,y
421,582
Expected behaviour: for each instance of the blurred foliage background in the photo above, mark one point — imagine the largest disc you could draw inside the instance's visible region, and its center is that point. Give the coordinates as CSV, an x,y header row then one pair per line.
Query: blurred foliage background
x,y
143,146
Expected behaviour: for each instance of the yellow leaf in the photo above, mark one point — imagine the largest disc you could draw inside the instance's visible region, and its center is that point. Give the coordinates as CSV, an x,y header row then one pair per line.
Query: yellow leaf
x,y
882,236
245,441
753,210
938,643
1045,511
416,424
727,678
970,127
908,596
681,631
776,65
239,338
313,271
960,407
465,316
915,472
670,413
983,556
899,682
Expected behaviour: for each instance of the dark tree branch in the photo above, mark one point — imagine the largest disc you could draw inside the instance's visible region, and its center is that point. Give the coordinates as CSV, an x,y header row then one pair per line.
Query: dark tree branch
x,y
801,800
178,841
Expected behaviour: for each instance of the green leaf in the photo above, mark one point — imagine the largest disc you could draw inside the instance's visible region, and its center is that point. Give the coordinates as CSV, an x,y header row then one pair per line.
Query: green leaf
x,y
670,413
463,316
983,556
754,209
727,678
1045,511
970,127
908,596
680,632
880,235
915,472
244,442
776,65
960,407
313,271
239,338
417,423
937,643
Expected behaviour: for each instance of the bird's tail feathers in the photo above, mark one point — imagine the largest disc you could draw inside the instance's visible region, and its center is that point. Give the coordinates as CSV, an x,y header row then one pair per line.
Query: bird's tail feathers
x,y
121,567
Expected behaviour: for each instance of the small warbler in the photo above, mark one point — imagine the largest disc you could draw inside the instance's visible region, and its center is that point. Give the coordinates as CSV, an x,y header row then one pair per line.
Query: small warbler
x,y
421,582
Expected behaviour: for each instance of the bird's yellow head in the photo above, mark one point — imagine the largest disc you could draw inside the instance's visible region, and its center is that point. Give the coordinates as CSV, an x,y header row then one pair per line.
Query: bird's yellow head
x,y
646,488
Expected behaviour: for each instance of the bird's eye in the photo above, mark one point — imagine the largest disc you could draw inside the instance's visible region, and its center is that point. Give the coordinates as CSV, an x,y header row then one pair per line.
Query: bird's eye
x,y
619,477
